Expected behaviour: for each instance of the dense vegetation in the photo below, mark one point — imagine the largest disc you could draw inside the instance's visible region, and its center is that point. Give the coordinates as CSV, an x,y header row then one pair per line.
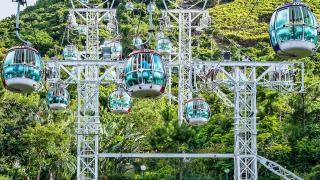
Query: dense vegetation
x,y
36,143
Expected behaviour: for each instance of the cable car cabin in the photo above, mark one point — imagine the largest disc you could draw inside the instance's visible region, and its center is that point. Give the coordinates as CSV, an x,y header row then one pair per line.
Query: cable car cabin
x,y
111,76
242,81
144,74
70,52
129,6
107,17
82,29
22,69
293,31
120,102
136,41
159,34
57,98
164,46
197,112
72,21
85,1
115,47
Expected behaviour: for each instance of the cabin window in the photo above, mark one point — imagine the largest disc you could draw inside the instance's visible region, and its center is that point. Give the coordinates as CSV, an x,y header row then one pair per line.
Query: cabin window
x,y
295,15
282,18
9,58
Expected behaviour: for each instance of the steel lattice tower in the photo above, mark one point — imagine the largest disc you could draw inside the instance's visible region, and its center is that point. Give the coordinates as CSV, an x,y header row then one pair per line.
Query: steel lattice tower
x,y
245,78
185,18
88,95
245,109
245,132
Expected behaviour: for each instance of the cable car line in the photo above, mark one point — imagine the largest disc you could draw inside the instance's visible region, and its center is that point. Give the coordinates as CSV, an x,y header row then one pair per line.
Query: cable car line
x,y
138,26
17,25
32,25
64,34
243,22
225,36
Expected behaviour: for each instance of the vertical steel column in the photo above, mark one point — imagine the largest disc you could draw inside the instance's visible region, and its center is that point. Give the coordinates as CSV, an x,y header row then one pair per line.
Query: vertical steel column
x,y
245,129
183,93
185,57
167,59
88,95
88,104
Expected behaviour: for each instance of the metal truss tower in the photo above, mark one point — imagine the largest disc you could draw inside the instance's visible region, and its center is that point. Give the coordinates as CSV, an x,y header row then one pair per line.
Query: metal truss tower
x,y
243,80
168,61
88,80
187,20
245,132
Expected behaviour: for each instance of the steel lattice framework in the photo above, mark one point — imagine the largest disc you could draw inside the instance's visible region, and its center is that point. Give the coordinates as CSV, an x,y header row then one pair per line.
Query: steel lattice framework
x,y
88,80
185,18
242,80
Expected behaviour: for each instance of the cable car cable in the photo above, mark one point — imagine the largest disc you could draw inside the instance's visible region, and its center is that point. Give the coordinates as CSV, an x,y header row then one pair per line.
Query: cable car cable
x,y
230,42
136,33
32,26
151,30
243,22
64,34
26,43
225,36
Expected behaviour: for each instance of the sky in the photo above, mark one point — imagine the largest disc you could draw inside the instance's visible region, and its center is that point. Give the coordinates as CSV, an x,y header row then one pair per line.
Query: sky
x,y
7,7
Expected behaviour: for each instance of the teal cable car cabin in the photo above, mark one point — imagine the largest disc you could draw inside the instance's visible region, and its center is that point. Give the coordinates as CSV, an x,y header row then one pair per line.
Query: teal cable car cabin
x,y
22,69
164,46
70,52
119,102
293,31
144,74
197,112
57,98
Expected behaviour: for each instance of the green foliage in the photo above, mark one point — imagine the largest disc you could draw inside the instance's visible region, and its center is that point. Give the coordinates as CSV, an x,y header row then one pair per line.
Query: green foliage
x,y
4,178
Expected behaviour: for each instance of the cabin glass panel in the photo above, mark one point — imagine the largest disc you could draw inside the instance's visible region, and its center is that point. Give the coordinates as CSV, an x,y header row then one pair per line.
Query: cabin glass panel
x,y
158,74
282,17
144,68
55,96
119,100
197,109
295,23
9,58
22,63
272,30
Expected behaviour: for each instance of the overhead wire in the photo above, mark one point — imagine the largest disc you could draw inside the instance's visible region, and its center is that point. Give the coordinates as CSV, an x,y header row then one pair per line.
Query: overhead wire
x,y
64,34
231,43
32,26
211,73
244,21
137,30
